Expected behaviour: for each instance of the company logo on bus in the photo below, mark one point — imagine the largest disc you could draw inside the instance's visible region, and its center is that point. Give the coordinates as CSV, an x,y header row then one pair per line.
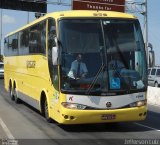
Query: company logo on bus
x,y
108,104
71,98
30,64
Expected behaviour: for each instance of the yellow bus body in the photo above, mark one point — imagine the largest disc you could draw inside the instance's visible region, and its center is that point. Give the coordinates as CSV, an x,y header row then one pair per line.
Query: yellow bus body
x,y
32,82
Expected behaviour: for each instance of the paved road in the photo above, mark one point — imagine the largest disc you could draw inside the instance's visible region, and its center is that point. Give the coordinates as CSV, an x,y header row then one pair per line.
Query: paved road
x,y
23,124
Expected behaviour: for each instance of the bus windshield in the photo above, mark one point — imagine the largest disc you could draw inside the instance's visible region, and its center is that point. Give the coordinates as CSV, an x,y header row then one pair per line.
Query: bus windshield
x,y
102,56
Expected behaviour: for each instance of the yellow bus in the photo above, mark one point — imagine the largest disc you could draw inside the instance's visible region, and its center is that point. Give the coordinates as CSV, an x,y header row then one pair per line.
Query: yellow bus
x,y
79,67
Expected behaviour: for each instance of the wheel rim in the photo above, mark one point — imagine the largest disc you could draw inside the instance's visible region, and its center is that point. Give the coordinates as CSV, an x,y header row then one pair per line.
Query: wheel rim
x,y
46,109
15,93
11,93
15,96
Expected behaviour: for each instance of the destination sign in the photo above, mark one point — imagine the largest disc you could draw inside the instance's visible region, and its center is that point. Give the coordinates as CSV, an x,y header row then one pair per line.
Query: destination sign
x,y
105,5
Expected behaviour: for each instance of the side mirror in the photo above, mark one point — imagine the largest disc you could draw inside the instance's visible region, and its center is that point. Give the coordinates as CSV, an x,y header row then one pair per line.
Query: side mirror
x,y
151,56
55,40
55,55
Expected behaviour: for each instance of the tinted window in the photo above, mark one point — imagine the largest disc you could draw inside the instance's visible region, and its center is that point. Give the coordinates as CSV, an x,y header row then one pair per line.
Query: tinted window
x,y
158,72
149,70
11,45
43,37
153,71
6,48
24,42
37,37
51,43
34,39
51,33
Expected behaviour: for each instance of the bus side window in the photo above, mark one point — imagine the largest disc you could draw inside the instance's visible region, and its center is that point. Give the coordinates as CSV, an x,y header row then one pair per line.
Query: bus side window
x,y
13,45
51,43
24,42
51,33
34,39
43,37
6,51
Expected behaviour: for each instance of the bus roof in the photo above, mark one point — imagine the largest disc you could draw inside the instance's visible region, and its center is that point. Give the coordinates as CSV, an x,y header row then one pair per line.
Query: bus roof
x,y
78,14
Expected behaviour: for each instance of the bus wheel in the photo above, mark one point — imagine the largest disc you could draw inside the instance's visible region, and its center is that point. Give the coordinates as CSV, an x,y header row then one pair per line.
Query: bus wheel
x,y
11,92
46,114
16,99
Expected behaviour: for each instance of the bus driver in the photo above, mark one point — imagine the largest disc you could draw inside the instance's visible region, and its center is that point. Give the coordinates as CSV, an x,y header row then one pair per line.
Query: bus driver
x,y
78,68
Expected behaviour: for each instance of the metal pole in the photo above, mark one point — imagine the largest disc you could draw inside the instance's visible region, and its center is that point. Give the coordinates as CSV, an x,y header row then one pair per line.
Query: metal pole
x,y
146,27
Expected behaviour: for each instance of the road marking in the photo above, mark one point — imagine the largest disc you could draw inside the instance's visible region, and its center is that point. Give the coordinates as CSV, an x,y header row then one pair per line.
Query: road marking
x,y
146,126
6,130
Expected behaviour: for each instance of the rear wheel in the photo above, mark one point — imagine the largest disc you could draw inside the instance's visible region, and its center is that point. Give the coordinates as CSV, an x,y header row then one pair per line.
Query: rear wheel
x,y
16,99
11,92
46,113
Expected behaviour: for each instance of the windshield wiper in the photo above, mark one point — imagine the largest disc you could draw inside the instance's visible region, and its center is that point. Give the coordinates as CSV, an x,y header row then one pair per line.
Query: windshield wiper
x,y
103,64
98,73
95,79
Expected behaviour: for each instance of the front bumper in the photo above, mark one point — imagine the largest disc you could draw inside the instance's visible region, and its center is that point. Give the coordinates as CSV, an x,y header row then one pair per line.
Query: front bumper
x,y
69,116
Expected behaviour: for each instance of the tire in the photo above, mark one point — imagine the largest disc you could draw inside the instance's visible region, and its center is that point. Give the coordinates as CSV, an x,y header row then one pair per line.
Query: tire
x,y
46,113
156,84
16,99
11,92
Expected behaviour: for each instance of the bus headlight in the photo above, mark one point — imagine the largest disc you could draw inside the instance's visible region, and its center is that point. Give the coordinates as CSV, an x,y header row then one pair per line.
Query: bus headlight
x,y
73,106
138,103
141,103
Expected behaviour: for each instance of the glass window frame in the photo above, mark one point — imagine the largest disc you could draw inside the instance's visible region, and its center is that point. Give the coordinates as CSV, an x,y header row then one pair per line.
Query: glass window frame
x,y
149,71
158,71
137,24
153,71
53,69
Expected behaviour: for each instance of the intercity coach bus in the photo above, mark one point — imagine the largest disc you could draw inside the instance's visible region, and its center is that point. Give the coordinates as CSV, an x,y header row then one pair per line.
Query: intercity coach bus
x,y
39,58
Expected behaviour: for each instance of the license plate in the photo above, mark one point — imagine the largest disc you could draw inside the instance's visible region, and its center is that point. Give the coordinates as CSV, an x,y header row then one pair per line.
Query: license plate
x,y
108,117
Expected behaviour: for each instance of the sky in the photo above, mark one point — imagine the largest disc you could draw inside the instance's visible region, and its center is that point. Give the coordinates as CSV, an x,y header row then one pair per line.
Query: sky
x,y
13,20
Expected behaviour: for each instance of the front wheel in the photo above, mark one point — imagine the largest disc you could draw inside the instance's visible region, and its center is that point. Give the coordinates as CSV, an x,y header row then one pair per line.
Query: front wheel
x,y
46,113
